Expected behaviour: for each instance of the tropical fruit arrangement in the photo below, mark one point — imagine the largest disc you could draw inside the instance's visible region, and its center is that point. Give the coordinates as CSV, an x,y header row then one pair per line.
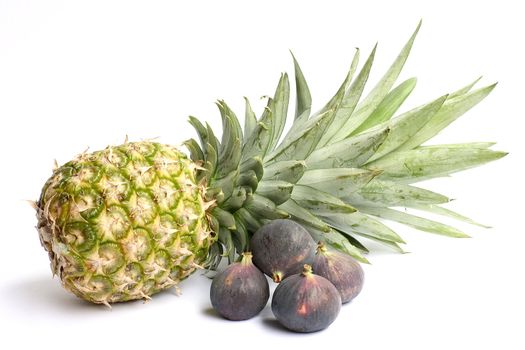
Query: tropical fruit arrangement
x,y
128,221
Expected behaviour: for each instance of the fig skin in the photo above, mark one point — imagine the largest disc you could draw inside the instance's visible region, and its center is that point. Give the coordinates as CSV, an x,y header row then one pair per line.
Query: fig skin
x,y
281,247
306,302
345,273
241,291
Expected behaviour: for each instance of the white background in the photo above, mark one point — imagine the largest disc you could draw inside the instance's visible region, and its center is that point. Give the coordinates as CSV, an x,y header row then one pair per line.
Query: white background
x,y
78,74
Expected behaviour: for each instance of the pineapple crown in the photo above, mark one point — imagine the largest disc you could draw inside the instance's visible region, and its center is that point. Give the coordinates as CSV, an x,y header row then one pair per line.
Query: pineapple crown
x,y
337,170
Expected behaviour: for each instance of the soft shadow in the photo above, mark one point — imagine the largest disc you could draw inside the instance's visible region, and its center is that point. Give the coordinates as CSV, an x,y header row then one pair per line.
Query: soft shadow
x,y
273,324
210,312
44,296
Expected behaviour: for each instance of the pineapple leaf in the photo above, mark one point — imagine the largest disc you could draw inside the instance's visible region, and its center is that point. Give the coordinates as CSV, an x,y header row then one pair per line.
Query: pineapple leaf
x,y
201,131
257,143
225,237
430,162
211,139
391,245
263,208
318,202
414,221
249,221
338,241
240,235
196,153
250,120
254,164
297,144
350,153
362,224
230,147
224,217
249,179
464,89
388,106
337,182
235,200
304,99
452,109
380,90
303,216
338,99
276,190
436,209
211,162
353,241
225,185
404,127
336,131
390,194
214,256
286,170
279,108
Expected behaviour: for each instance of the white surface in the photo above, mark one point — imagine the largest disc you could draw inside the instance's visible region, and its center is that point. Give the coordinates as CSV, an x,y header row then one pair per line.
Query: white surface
x,y
77,74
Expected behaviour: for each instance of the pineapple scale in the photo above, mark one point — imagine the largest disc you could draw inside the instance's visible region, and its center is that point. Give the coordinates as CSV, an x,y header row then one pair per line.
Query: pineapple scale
x,y
125,222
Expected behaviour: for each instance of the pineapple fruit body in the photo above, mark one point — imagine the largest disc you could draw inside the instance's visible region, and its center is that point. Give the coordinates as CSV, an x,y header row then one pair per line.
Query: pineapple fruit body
x,y
125,222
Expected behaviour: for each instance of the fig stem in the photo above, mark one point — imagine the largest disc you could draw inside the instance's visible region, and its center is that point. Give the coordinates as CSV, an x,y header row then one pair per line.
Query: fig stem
x,y
277,277
321,247
246,258
307,270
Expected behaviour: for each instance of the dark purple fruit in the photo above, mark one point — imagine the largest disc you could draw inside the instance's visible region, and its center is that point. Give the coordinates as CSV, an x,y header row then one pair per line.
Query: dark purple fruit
x,y
345,273
241,291
306,302
281,248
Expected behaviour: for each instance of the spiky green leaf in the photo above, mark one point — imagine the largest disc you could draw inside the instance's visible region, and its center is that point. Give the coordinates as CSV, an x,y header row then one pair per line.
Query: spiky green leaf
x,y
404,127
391,194
298,143
337,182
414,221
360,223
436,209
286,170
257,143
388,106
451,110
263,208
338,241
250,120
368,105
430,162
335,132
303,216
276,190
464,89
279,108
304,99
319,202
348,153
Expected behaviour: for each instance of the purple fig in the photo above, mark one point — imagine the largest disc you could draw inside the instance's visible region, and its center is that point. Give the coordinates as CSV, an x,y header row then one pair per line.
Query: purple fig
x,y
281,247
345,273
241,291
306,302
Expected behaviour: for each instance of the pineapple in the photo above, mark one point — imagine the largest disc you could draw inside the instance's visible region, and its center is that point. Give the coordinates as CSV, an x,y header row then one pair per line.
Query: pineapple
x,y
129,221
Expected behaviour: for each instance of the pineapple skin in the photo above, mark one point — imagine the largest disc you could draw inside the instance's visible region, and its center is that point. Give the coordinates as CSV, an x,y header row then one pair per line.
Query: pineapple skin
x,y
125,222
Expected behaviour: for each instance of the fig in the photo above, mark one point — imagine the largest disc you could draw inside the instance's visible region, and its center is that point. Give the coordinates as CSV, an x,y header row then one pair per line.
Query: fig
x,y
240,291
345,273
281,247
306,302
